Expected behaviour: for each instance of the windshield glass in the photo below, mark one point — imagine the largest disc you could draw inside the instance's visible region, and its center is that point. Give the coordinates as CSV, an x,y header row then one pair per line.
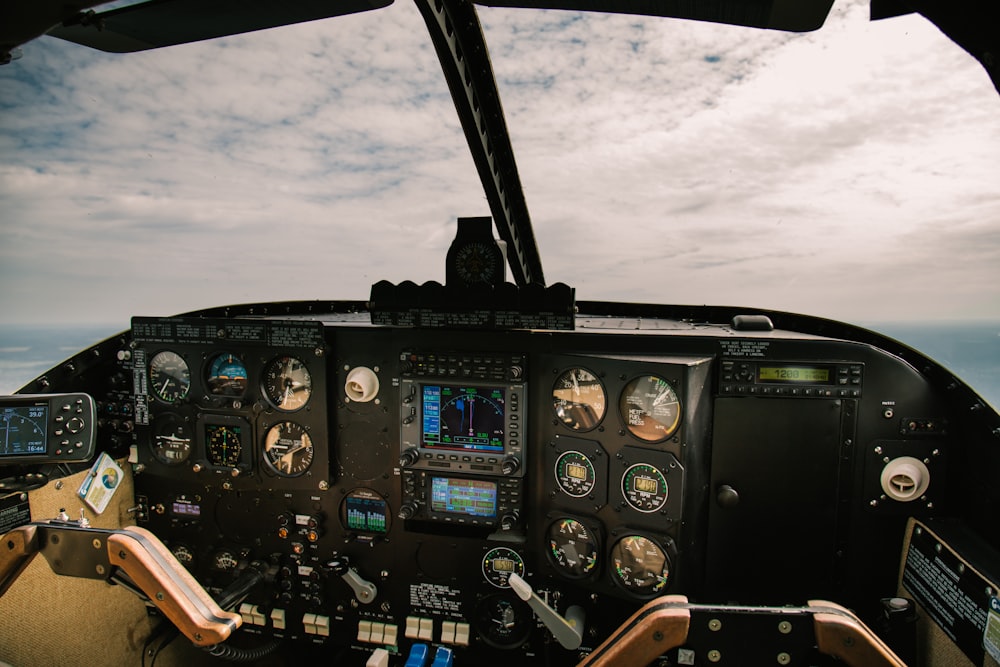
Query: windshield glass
x,y
847,173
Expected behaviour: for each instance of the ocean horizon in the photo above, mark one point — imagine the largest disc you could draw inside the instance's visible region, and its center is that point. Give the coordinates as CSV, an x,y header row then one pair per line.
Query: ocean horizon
x,y
970,350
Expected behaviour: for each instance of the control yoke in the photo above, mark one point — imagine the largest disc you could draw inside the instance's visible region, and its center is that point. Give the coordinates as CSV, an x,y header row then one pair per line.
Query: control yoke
x,y
131,556
669,622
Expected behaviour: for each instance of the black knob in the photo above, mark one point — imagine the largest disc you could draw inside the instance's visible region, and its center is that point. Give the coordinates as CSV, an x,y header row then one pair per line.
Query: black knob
x,y
409,457
509,520
407,511
510,465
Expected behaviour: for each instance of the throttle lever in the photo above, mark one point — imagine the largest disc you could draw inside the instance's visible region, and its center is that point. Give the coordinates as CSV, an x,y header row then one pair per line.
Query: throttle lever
x,y
364,590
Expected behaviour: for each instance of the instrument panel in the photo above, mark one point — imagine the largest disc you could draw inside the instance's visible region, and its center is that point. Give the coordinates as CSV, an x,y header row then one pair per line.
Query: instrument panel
x,y
392,480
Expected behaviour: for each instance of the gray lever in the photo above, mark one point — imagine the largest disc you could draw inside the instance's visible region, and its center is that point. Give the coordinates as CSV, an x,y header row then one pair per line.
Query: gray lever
x,y
567,631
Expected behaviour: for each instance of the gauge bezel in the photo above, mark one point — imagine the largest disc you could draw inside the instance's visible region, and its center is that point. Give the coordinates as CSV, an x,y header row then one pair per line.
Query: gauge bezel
x,y
221,391
596,541
265,379
629,390
662,483
576,426
493,577
664,544
591,480
267,444
186,372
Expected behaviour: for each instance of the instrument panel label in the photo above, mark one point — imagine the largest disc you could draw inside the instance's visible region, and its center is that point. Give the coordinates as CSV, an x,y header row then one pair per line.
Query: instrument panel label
x,y
951,592
744,348
426,598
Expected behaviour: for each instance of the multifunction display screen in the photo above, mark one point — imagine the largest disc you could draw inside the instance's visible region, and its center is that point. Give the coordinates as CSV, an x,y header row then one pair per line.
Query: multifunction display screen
x,y
23,430
469,497
466,418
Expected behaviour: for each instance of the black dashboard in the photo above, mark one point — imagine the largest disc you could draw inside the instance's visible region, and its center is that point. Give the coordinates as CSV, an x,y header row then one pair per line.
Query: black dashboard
x,y
390,479
355,489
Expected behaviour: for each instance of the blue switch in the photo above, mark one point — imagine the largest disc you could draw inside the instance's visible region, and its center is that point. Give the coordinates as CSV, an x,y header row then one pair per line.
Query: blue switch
x,y
443,657
418,655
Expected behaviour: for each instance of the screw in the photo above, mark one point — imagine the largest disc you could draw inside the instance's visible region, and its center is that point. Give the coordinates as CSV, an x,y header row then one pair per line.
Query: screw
x,y
96,543
784,627
324,485
714,656
715,625
784,659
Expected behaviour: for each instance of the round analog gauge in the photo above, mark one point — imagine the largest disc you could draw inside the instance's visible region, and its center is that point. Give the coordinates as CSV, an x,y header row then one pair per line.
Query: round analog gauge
x,y
225,561
573,548
503,621
287,383
183,554
227,375
169,376
575,474
288,449
640,565
579,399
171,440
225,444
499,563
650,408
644,487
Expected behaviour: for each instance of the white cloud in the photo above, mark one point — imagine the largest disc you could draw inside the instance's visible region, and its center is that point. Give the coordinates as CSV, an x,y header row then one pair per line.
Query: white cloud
x,y
662,161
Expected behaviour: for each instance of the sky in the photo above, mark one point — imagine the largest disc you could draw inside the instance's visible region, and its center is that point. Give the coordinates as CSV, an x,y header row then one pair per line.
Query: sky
x,y
849,173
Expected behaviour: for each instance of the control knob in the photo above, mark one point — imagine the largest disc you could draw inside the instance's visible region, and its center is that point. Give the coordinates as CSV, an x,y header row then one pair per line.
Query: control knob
x,y
407,510
409,457
510,465
509,520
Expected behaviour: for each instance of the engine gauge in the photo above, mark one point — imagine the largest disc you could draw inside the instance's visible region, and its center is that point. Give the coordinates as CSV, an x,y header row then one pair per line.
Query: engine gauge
x,y
227,375
224,444
171,440
575,474
287,383
503,621
650,408
288,449
579,399
183,554
573,548
499,563
225,560
640,565
169,376
645,488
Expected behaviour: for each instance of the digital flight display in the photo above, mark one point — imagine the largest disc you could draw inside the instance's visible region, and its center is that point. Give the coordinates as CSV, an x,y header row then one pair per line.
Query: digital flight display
x,y
805,374
467,497
23,430
576,471
465,418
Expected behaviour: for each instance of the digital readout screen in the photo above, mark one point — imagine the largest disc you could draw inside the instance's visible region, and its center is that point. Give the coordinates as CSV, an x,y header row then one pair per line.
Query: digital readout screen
x,y
23,430
645,484
185,509
469,497
806,374
576,471
466,418
365,514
